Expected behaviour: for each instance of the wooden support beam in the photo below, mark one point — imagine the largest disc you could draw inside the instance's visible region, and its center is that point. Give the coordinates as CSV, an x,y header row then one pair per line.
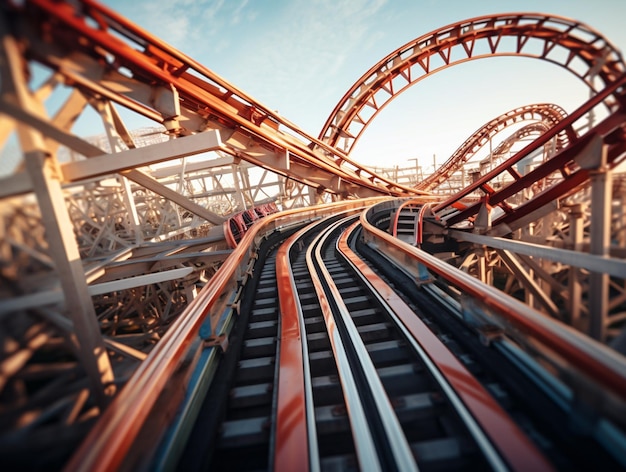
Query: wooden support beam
x,y
143,156
528,282
44,174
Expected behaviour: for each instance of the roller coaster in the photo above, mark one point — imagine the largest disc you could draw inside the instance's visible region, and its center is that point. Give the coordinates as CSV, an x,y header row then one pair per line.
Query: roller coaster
x,y
220,290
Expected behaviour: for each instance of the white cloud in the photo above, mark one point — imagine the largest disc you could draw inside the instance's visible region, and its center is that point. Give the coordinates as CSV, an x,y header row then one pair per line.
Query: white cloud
x,y
196,27
236,17
299,59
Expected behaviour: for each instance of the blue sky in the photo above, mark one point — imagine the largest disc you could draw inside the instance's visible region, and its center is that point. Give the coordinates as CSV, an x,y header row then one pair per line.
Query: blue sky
x,y
299,57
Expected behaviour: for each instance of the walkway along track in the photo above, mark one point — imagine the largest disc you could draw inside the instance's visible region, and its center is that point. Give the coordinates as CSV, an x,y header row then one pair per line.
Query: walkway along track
x,y
329,367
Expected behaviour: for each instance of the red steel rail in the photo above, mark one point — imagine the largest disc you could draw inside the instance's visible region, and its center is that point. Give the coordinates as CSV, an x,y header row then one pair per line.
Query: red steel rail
x,y
562,41
515,446
291,452
593,359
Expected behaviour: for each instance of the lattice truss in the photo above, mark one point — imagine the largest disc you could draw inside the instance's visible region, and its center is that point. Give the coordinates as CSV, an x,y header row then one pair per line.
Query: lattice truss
x,y
144,237
556,286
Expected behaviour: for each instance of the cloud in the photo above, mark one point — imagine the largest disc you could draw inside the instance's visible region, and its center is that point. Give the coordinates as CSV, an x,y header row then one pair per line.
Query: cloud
x,y
195,27
236,17
302,51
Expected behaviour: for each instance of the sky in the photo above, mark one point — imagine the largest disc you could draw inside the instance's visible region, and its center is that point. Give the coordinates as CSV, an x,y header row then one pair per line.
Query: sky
x,y
299,57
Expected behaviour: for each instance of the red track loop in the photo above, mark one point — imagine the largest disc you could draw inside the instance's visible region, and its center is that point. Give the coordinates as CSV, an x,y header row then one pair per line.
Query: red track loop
x,y
547,113
562,41
563,160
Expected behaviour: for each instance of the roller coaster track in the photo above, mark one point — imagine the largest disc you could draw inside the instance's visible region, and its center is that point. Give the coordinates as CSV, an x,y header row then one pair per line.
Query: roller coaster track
x,y
189,333
342,361
561,41
609,131
97,49
547,113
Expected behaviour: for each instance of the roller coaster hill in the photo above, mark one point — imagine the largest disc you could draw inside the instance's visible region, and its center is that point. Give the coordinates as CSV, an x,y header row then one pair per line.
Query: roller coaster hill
x,y
219,290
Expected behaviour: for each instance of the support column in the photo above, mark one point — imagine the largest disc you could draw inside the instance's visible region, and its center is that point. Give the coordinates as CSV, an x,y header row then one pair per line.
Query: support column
x,y
530,296
601,192
575,286
482,224
45,175
115,143
239,197
247,188
180,188
314,196
481,263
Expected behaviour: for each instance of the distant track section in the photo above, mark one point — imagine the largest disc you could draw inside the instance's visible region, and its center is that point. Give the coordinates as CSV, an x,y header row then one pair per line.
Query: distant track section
x,y
544,113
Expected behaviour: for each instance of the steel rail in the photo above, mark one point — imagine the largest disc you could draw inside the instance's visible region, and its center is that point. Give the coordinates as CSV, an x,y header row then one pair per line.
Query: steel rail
x,y
232,89
295,412
112,437
363,437
593,359
486,420
401,450
296,437
419,234
423,207
396,217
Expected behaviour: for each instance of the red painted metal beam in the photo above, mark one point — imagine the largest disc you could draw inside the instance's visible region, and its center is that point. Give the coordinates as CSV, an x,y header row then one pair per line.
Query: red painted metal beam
x,y
291,450
573,182
563,160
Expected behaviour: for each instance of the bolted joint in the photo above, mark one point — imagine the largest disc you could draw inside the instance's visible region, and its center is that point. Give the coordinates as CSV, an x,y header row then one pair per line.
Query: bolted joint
x,y
220,341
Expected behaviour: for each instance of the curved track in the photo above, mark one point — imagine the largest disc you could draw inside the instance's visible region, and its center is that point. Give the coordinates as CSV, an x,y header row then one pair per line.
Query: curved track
x,y
343,361
546,113
564,42
335,345
185,96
